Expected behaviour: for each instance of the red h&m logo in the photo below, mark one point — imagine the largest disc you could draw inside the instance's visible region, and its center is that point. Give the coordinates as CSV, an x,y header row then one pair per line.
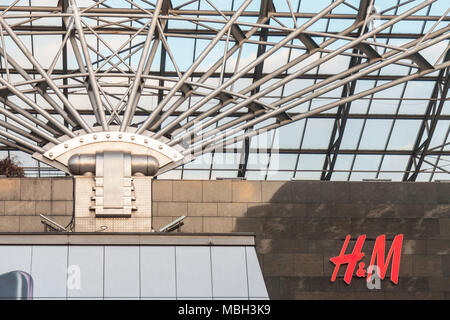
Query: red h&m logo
x,y
381,264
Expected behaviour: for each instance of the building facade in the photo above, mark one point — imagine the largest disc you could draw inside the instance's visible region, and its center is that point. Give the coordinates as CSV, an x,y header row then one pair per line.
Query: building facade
x,y
298,226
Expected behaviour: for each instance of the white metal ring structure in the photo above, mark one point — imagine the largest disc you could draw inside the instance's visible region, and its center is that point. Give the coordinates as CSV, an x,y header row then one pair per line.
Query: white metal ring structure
x,y
202,75
113,138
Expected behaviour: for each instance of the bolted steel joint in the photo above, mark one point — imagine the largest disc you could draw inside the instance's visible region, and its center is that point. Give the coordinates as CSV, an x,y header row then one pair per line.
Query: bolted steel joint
x,y
85,164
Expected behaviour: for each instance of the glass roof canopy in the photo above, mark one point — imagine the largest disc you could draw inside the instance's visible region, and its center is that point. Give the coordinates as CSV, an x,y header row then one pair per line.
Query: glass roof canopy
x,y
331,90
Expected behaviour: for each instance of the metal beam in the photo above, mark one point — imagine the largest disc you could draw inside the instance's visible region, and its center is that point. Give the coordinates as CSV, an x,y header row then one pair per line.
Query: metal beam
x,y
265,9
339,127
344,109
146,59
171,74
212,144
392,152
429,123
132,11
163,57
194,66
224,107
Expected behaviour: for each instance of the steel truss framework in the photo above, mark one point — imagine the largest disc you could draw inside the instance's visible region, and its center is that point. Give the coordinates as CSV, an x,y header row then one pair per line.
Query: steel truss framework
x,y
309,79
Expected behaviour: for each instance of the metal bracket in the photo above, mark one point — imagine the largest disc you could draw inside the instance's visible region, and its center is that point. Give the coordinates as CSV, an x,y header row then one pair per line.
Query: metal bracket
x,y
106,137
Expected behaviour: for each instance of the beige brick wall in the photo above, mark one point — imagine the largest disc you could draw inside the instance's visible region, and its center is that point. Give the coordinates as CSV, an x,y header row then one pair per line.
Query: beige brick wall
x,y
23,199
211,206
299,226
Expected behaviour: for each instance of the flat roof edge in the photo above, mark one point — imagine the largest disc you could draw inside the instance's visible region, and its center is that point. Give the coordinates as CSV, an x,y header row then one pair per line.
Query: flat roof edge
x,y
129,239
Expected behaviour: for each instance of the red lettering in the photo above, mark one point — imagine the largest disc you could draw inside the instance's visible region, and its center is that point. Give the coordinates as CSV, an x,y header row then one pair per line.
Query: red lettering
x,y
350,259
378,253
394,253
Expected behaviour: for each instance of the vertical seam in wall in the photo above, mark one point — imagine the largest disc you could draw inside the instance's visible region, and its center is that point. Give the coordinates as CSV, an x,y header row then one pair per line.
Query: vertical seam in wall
x,y
140,287
67,272
152,214
31,262
232,192
20,189
73,204
51,197
261,191
34,207
211,270
104,263
246,272
176,280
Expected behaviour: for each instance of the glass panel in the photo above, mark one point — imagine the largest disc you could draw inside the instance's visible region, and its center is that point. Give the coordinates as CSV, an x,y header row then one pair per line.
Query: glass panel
x,y
223,174
404,134
351,133
280,175
256,175
317,134
375,134
289,135
365,167
394,163
196,174
405,99
310,162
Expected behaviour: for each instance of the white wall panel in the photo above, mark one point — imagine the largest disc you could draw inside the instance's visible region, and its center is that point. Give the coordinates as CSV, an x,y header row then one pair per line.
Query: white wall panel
x,y
85,262
121,272
158,272
229,272
193,266
257,287
49,271
15,258
133,272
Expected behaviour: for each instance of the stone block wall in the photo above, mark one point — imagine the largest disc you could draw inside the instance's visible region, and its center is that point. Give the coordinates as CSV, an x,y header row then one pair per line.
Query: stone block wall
x,y
23,199
300,225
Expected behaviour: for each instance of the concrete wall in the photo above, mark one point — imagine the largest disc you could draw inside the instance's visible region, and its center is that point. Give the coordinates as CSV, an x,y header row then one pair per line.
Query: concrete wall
x,y
22,200
299,226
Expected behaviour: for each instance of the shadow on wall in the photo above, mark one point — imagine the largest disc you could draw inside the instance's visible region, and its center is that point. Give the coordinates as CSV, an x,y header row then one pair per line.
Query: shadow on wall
x,y
303,224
